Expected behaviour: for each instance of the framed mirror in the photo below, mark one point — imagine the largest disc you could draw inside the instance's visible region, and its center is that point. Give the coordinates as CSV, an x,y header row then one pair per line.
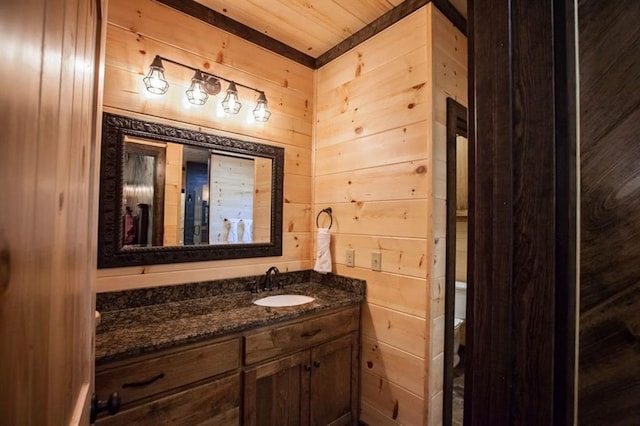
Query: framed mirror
x,y
460,181
171,195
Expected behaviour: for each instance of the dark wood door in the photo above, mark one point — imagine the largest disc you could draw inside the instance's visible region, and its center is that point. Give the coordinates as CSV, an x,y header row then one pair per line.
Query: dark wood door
x,y
50,93
334,382
277,393
609,363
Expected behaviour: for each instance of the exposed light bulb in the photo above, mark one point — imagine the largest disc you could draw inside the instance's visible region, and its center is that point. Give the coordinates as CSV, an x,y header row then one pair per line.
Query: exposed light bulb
x,y
261,113
231,104
155,81
196,93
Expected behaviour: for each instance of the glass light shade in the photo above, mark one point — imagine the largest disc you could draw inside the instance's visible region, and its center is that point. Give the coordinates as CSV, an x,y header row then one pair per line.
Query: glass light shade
x,y
231,104
196,93
155,81
261,113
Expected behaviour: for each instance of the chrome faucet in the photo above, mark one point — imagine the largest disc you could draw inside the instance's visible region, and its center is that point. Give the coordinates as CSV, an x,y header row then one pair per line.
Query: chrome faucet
x,y
271,274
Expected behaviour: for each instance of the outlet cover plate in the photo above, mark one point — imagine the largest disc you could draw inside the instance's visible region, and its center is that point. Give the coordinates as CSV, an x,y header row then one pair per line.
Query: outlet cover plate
x,y
376,262
350,258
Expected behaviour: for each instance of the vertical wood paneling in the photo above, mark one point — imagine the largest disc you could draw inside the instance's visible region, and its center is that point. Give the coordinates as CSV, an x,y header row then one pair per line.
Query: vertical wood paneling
x,y
172,199
47,230
262,200
140,29
462,237
609,363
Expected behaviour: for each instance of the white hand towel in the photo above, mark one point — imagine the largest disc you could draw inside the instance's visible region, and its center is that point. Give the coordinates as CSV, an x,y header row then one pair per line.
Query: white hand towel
x,y
323,261
247,236
233,231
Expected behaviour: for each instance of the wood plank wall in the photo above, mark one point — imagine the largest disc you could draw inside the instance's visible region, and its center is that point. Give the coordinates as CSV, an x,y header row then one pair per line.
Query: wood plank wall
x,y
379,147
609,363
138,30
48,220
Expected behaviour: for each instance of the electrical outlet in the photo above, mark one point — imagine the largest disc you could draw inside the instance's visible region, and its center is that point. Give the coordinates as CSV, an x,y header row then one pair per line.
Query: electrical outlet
x,y
376,262
350,258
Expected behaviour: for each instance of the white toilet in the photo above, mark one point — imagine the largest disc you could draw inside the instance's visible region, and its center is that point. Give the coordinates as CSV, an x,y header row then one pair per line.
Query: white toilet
x,y
460,313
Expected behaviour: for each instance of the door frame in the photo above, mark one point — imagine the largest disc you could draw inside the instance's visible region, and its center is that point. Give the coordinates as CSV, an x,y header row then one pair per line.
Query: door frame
x,y
522,270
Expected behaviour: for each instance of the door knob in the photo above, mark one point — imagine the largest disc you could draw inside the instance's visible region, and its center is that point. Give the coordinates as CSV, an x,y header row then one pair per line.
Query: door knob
x,y
112,405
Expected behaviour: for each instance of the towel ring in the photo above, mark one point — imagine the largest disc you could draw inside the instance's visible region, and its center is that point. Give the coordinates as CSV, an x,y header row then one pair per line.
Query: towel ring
x,y
327,211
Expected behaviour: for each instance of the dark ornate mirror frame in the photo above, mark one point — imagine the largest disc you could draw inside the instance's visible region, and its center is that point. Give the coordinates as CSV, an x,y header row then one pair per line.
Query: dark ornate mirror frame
x,y
110,226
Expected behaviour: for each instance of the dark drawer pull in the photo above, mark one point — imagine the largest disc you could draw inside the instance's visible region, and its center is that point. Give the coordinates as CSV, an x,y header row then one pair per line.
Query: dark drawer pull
x,y
143,382
311,333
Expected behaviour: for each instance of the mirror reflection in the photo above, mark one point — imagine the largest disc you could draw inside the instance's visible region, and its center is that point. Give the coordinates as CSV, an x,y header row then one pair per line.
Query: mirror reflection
x,y
170,195
459,181
175,195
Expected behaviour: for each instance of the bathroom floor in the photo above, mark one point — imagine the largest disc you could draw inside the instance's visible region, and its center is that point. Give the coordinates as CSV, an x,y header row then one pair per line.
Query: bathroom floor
x,y
458,391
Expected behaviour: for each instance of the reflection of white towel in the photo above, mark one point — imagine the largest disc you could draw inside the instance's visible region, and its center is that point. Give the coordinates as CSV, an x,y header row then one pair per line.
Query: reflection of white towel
x,y
233,231
241,230
323,262
247,235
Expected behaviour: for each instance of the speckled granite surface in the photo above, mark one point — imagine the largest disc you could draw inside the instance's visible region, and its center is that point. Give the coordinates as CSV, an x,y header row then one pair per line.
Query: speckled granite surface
x,y
142,321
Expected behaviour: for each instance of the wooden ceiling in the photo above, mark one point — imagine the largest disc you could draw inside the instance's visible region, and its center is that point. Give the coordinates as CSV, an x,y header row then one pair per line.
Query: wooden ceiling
x,y
314,31
310,26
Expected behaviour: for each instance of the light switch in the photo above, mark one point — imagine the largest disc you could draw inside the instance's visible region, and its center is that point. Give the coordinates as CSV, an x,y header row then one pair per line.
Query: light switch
x,y
376,262
350,258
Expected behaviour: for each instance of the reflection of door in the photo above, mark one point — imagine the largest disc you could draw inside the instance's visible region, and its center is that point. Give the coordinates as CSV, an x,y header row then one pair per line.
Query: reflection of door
x,y
145,166
195,225
48,215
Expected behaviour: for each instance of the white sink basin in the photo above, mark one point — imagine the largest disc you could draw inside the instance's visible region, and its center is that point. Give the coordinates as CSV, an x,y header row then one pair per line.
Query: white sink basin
x,y
284,300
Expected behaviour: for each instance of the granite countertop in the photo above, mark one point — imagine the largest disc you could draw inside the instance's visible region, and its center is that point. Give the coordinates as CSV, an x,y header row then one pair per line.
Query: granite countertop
x,y
132,331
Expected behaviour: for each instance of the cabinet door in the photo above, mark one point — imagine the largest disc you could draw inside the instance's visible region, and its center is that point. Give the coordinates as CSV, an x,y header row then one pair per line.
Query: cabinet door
x,y
214,403
277,393
334,382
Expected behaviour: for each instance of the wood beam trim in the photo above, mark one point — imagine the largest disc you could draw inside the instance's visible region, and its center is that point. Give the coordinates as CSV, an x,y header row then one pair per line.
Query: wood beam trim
x,y
399,12
229,25
218,20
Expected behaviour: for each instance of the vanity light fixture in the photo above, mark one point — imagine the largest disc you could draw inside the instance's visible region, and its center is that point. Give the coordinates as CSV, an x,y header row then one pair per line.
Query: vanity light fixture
x,y
196,93
204,84
155,81
261,113
231,104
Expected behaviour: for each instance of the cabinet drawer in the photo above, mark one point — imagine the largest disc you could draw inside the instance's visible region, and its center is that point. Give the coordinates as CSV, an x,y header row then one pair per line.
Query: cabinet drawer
x,y
213,403
278,340
140,379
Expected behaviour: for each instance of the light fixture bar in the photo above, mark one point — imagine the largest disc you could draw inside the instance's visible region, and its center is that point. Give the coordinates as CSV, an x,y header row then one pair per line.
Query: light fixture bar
x,y
204,84
208,74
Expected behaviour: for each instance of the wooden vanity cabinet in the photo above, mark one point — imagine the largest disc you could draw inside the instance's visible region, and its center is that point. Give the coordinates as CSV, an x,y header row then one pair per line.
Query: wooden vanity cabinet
x,y
216,402
317,385
193,385
302,372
